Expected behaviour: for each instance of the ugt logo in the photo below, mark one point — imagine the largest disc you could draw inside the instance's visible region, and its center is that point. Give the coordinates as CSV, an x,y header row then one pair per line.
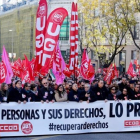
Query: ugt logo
x,y
42,10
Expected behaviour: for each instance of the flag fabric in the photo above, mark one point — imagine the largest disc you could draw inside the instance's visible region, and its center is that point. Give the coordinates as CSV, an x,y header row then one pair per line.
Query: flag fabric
x,y
116,72
86,69
131,71
72,39
16,67
3,72
58,66
76,40
6,61
54,22
41,21
25,73
91,71
31,66
110,74
66,71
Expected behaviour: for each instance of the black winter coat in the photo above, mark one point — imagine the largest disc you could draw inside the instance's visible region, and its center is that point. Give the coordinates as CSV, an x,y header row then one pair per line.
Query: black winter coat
x,y
71,95
103,92
46,94
15,95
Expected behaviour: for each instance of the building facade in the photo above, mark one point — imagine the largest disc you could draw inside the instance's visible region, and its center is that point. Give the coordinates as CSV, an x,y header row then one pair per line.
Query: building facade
x,y
17,28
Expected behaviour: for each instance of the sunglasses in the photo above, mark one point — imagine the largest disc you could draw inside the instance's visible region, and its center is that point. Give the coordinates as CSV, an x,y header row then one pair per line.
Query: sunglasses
x,y
45,83
113,89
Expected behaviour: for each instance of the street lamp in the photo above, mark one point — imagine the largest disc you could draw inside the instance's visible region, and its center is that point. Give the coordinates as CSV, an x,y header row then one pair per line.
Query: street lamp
x,y
12,43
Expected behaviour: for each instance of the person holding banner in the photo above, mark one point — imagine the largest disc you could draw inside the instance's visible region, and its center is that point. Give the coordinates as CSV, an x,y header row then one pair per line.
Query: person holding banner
x,y
100,91
46,94
26,94
113,92
124,95
137,91
15,94
60,94
4,92
34,93
131,90
84,95
73,94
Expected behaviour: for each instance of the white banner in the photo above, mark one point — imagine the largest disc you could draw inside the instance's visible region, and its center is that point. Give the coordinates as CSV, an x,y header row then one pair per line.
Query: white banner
x,y
68,118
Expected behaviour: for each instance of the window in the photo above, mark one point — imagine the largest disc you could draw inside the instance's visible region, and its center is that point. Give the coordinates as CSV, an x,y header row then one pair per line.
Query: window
x,y
136,31
64,32
122,61
133,55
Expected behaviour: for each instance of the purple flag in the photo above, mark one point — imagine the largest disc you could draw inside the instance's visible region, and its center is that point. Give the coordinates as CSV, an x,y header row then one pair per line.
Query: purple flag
x,y
59,66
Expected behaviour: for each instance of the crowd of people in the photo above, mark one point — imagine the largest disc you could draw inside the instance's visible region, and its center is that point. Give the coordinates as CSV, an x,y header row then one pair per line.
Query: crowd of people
x,y
78,90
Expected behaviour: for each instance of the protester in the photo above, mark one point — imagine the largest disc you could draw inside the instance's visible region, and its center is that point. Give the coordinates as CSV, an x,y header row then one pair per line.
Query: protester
x,y
46,94
34,93
15,94
12,85
131,91
137,92
60,94
84,94
4,93
113,92
26,94
73,94
100,91
124,95
81,85
123,84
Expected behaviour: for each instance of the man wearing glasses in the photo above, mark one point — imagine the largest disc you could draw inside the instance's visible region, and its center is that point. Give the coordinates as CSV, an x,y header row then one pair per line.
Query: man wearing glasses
x,y
46,94
26,93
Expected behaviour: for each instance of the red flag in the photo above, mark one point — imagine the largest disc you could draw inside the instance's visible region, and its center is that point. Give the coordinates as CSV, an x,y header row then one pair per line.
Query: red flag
x,y
72,39
131,71
116,72
3,72
53,26
76,39
41,20
16,67
104,71
66,71
87,70
110,74
136,63
91,70
99,70
32,63
77,72
25,73
29,68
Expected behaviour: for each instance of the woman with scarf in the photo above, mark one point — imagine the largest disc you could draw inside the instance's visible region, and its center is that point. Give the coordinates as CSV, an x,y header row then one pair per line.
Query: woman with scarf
x,y
60,94
15,94
4,92
34,93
